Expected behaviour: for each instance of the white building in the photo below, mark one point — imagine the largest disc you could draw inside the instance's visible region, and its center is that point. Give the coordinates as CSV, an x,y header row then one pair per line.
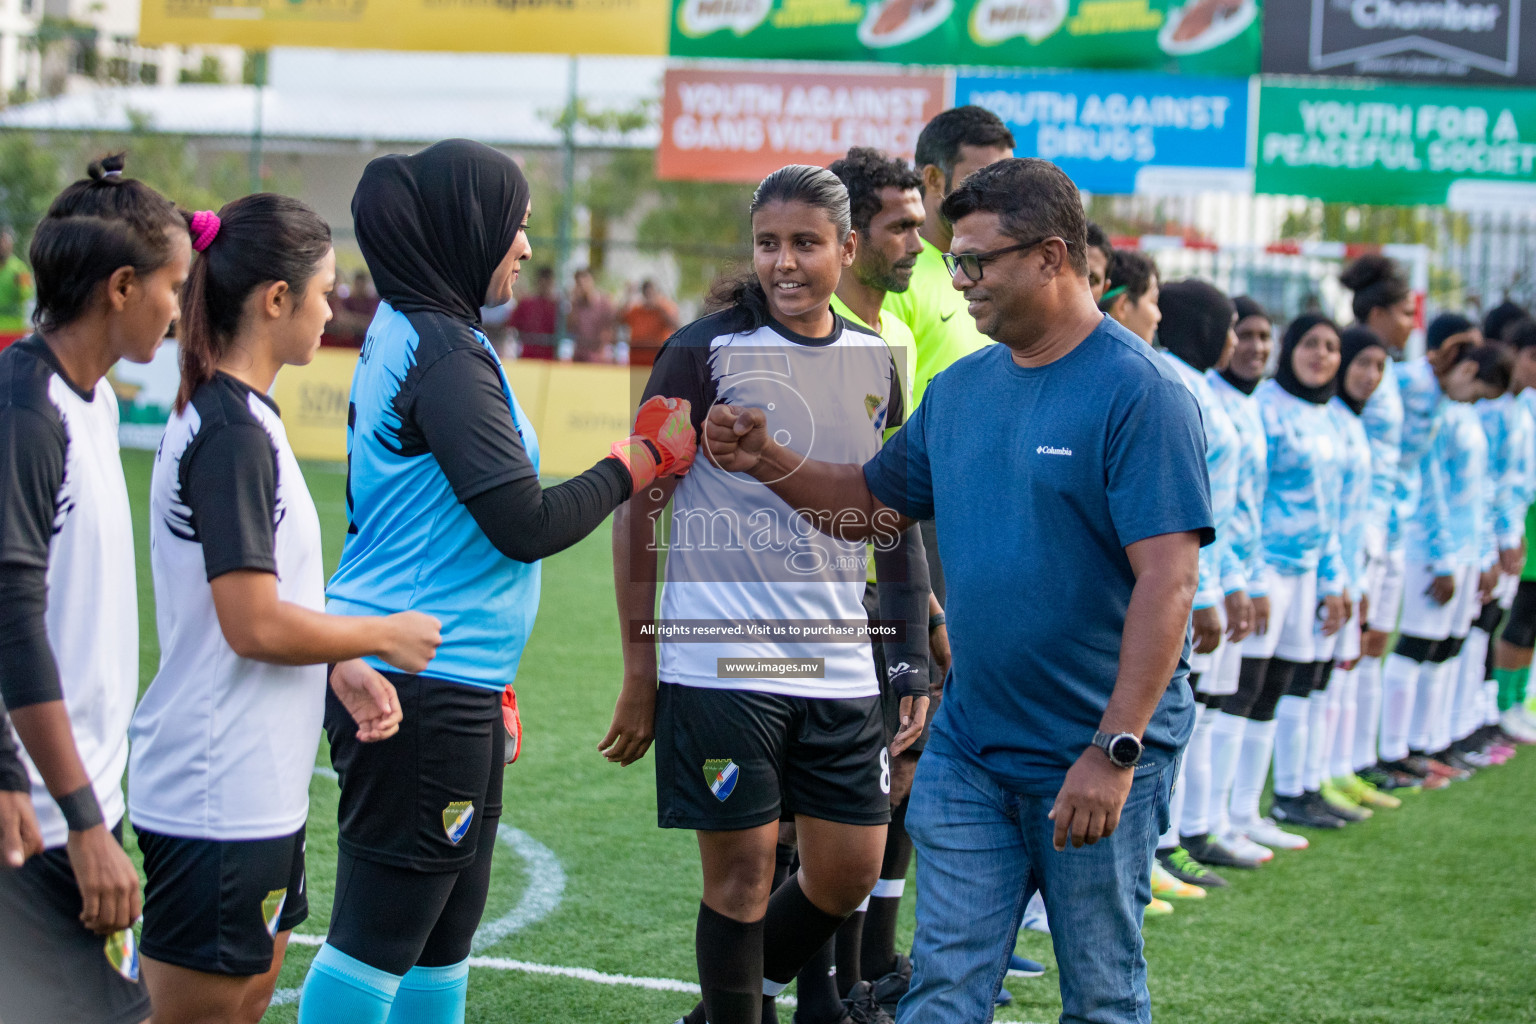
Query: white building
x,y
54,47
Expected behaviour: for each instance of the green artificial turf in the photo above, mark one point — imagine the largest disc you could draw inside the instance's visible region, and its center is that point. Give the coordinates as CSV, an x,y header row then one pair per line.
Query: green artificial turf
x,y
1426,915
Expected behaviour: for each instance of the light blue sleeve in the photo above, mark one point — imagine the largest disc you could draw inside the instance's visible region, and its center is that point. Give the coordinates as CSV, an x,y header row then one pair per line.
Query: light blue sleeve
x,y
1434,510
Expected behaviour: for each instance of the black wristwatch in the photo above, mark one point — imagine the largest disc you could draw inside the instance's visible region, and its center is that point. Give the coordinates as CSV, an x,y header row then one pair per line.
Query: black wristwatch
x,y
1122,748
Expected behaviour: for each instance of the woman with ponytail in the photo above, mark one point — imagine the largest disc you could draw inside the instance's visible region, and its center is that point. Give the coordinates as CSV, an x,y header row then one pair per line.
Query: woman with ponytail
x,y
224,741
818,749
110,257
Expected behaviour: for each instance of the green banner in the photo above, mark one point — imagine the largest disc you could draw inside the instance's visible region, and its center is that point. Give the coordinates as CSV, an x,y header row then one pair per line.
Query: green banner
x,y
1396,144
1215,37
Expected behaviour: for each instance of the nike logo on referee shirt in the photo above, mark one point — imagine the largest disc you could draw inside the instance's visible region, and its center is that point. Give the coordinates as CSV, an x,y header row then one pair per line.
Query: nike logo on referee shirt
x,y
946,319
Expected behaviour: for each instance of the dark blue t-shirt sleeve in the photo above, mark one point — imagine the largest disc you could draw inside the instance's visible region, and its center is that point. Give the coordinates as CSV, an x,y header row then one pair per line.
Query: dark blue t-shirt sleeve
x,y
1155,470
899,474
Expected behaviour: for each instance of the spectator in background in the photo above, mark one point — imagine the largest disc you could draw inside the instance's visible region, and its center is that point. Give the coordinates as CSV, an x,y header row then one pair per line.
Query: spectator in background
x,y
651,319
535,317
1099,253
16,288
362,300
592,323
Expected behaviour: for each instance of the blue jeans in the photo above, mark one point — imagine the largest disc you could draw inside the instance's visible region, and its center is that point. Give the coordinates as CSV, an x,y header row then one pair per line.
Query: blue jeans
x,y
983,851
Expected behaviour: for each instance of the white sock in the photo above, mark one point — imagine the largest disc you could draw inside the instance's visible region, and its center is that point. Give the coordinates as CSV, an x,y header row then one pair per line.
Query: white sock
x,y
1346,694
1399,693
1226,742
1252,770
1447,682
1367,711
1491,702
1317,739
1195,817
1468,712
1291,722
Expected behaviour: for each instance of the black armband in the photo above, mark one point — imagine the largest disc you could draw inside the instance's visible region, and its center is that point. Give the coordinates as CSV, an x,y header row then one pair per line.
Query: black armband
x,y
935,620
81,811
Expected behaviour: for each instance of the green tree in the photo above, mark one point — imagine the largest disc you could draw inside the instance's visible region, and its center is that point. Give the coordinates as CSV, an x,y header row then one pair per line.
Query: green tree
x,y
29,178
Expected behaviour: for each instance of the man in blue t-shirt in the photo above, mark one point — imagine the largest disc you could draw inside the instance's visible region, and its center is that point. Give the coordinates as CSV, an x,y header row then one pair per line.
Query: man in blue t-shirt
x,y
1065,469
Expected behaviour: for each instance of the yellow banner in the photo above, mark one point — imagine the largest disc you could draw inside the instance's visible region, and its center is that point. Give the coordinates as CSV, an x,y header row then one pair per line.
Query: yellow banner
x,y
577,411
636,27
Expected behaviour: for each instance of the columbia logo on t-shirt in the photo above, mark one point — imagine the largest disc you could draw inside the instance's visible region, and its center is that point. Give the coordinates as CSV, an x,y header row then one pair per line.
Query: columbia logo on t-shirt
x,y
1048,449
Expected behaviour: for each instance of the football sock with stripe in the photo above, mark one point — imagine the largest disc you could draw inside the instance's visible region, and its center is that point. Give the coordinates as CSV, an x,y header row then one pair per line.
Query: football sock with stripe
x,y
850,950
432,995
730,957
341,988
878,957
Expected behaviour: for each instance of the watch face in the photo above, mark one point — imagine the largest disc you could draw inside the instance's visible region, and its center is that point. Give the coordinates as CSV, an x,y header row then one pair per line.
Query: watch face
x,y
1124,750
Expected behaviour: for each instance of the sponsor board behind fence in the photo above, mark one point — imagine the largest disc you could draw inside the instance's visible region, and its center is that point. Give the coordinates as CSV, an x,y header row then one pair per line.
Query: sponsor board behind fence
x,y
1396,144
1217,37
738,125
1461,41
478,26
1106,128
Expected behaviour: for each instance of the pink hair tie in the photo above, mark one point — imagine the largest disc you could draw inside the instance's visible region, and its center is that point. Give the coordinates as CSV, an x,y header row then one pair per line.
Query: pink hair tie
x,y
205,228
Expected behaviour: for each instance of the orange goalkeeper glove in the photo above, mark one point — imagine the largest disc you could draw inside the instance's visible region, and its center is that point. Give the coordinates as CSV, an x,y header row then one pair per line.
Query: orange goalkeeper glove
x,y
663,444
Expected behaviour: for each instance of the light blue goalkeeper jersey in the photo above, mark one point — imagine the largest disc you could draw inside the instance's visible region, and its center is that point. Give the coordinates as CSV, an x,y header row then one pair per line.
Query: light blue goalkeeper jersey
x,y
1422,511
411,542
1511,434
1252,480
1383,422
1305,457
1356,477
1220,571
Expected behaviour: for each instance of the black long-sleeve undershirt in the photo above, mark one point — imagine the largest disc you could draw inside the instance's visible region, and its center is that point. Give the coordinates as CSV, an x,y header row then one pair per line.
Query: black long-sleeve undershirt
x,y
527,522
902,580
28,673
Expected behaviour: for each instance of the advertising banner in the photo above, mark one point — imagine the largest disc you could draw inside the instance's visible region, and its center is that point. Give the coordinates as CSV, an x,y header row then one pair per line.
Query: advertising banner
x,y
740,125
1396,144
1105,128
1215,37
1459,41
477,26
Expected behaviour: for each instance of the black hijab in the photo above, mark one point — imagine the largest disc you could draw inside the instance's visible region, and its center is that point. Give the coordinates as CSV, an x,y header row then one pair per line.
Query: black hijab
x,y
1352,342
1285,373
1196,320
435,226
1246,307
1499,318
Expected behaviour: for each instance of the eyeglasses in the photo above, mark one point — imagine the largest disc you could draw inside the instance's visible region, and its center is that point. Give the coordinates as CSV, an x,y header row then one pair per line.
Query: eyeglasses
x,y
972,262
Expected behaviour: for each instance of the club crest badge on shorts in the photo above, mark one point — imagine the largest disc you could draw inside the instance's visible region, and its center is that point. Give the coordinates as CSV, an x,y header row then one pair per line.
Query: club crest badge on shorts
x,y
123,954
721,773
272,909
456,819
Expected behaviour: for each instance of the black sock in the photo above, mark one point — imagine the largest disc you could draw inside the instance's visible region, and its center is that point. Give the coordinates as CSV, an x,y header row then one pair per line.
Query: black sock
x,y
879,955
730,956
816,989
850,950
793,931
783,857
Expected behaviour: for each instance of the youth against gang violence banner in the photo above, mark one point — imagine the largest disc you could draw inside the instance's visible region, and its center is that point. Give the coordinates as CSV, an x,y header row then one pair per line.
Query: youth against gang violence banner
x,y
1214,37
1396,144
1105,129
719,125
477,26
1460,41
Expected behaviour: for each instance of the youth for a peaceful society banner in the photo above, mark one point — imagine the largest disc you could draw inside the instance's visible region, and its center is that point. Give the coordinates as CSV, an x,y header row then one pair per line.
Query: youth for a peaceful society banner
x,y
1106,128
1204,36
1403,144
740,125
